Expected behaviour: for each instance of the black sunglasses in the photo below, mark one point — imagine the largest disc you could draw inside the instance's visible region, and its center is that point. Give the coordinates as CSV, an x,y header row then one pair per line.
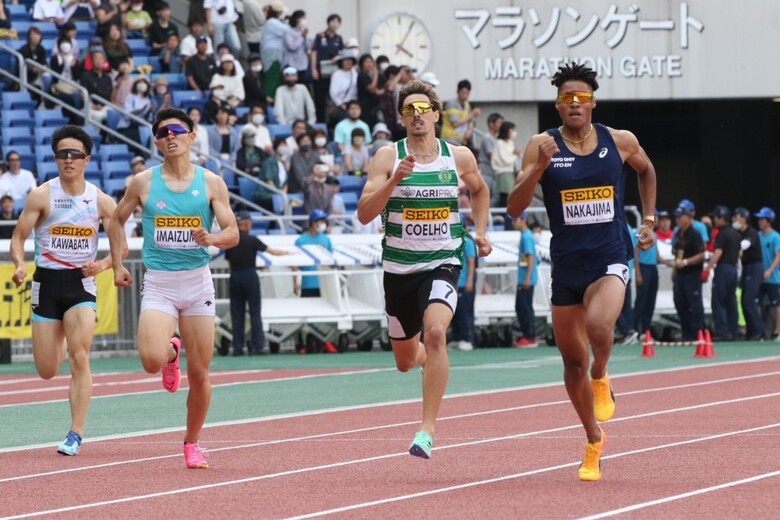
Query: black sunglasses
x,y
174,129
69,153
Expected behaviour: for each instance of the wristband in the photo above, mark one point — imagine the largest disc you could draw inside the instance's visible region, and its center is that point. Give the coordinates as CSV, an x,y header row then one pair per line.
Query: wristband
x,y
685,262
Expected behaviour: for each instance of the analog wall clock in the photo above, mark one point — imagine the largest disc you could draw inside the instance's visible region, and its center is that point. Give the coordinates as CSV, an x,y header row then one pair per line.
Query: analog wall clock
x,y
404,39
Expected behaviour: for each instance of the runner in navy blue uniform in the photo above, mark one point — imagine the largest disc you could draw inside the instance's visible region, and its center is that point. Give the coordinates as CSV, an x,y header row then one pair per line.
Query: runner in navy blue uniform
x,y
580,168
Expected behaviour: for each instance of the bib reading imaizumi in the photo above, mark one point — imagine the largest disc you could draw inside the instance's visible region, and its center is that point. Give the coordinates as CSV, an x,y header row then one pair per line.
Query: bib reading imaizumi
x,y
426,223
67,240
175,232
588,205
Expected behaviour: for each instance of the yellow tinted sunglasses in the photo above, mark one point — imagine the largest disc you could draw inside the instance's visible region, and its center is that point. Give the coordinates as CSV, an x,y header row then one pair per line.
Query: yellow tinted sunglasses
x,y
567,98
421,107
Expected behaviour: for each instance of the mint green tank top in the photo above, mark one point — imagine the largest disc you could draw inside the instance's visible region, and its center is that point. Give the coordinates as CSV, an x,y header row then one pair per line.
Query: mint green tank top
x,y
168,220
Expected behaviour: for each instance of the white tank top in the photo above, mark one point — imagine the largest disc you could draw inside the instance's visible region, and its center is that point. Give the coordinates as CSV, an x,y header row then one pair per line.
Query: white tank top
x,y
68,238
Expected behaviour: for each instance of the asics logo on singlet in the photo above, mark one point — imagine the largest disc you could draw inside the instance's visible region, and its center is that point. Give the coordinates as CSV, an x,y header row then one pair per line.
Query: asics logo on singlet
x,y
428,193
603,153
72,231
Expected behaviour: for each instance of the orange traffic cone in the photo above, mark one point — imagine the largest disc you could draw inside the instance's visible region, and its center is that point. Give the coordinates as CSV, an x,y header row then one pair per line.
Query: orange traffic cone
x,y
700,348
647,346
709,350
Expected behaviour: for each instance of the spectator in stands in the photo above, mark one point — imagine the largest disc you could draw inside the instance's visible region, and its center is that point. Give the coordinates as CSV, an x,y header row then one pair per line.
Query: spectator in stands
x,y
109,13
463,318
201,67
337,205
380,137
388,101
249,158
224,138
272,172
527,276
223,50
293,101
253,83
221,17
139,103
226,85
297,46
770,288
302,163
6,31
405,75
16,181
123,83
326,153
115,46
137,21
256,122
299,127
343,85
254,19
48,11
688,252
170,56
7,212
272,46
309,287
80,9
68,33
316,194
245,286
95,44
326,46
33,50
356,153
162,29
458,117
724,283
486,147
97,81
752,273
67,66
161,93
342,134
189,44
504,161
368,90
200,146
430,78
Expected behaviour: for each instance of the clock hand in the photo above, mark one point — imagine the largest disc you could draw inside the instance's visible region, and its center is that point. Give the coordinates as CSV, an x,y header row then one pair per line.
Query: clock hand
x,y
399,48
408,32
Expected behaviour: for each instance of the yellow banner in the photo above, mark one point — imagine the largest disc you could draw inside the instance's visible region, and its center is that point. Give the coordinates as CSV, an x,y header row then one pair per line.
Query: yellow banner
x,y
16,312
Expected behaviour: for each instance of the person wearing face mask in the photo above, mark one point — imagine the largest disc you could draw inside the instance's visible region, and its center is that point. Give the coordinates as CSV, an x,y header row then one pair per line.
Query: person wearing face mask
x,y
256,123
249,158
161,93
302,163
66,65
253,83
98,81
297,45
504,161
309,286
334,160
356,153
316,194
137,21
138,103
293,100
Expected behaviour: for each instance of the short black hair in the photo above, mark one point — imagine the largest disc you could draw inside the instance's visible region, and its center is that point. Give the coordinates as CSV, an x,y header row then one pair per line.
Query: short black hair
x,y
464,83
10,153
74,132
575,72
504,129
334,17
171,113
358,132
495,116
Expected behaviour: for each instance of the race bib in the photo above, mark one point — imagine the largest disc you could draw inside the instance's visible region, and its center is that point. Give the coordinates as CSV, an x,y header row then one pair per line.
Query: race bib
x,y
426,223
70,240
175,232
588,205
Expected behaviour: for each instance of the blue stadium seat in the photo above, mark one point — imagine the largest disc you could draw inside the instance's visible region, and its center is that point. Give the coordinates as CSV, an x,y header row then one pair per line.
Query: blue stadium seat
x,y
153,61
18,100
229,177
43,135
351,183
116,152
46,171
281,131
278,203
184,99
350,199
296,201
48,29
85,27
270,117
175,81
16,118
18,13
138,46
116,169
50,117
44,153
246,188
112,186
16,135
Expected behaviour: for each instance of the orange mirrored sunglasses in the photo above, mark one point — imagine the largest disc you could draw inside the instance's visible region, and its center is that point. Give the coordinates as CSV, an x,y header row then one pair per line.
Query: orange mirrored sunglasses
x,y
567,98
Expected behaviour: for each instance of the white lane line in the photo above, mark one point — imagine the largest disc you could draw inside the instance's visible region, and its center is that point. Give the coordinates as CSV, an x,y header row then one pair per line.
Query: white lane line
x,y
122,436
682,496
363,505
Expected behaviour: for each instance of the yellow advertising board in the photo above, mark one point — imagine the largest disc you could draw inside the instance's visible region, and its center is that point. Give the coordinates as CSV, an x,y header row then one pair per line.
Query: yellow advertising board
x,y
15,310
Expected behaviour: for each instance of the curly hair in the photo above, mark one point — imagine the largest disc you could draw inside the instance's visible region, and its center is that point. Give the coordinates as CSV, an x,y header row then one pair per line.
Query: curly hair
x,y
575,72
418,87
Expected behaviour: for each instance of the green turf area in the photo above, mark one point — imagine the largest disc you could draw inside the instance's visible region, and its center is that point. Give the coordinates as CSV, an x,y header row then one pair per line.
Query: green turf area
x,y
479,370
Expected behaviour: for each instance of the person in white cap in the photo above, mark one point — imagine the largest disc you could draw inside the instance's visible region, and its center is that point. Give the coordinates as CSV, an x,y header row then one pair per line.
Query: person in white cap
x,y
343,83
430,78
293,101
226,85
381,136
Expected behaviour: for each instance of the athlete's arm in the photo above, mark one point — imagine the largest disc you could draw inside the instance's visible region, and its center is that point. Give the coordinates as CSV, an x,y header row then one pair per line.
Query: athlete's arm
x,y
635,156
106,207
381,181
468,171
220,203
116,226
538,154
33,212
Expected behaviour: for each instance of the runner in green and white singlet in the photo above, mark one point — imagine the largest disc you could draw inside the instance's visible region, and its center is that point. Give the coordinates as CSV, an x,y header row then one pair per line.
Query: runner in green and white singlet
x,y
413,184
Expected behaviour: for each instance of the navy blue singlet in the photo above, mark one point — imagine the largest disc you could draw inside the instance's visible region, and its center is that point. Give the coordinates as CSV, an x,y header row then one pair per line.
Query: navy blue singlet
x,y
584,200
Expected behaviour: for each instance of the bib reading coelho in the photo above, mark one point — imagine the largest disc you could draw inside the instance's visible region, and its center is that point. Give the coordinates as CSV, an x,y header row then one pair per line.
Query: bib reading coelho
x,y
426,223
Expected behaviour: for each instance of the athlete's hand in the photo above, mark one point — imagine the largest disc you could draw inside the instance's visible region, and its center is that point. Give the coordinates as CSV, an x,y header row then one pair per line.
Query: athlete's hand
x,y
405,168
91,268
646,237
484,247
202,237
19,275
122,277
547,148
